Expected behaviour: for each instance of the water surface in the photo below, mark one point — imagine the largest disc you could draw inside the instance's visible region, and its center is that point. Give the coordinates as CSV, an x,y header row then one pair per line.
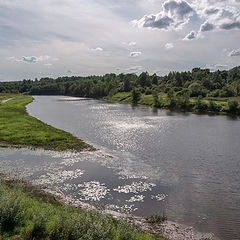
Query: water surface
x,y
184,165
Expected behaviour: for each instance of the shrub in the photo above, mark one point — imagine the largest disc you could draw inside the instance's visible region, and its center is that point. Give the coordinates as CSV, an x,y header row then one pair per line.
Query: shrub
x,y
11,210
156,218
233,106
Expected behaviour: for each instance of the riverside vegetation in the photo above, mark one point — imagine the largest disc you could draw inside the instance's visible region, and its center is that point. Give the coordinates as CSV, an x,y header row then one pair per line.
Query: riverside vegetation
x,y
18,128
26,213
199,90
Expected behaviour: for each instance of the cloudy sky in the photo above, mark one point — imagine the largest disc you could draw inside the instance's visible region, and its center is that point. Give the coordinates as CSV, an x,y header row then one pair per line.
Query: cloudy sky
x,y
84,37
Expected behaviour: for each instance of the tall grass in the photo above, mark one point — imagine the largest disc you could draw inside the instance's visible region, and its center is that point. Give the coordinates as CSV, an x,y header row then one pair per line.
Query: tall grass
x,y
18,128
25,216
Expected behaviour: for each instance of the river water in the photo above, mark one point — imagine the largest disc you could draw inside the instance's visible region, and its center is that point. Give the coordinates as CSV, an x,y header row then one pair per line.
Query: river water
x,y
186,166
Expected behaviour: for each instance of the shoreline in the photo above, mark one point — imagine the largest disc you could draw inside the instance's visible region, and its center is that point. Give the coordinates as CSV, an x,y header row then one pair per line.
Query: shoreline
x,y
168,229
176,110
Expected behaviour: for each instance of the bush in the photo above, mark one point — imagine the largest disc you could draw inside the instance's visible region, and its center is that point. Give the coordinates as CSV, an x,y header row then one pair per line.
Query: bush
x,y
136,95
233,106
200,105
11,210
213,107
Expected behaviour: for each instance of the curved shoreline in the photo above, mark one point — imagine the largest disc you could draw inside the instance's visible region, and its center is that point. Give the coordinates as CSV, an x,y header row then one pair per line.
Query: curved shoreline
x,y
19,129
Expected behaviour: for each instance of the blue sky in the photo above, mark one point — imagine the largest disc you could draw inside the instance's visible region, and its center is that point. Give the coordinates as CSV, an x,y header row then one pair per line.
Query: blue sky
x,y
85,37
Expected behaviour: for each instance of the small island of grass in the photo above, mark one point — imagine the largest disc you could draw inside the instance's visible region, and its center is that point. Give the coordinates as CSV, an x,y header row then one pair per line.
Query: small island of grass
x,y
19,129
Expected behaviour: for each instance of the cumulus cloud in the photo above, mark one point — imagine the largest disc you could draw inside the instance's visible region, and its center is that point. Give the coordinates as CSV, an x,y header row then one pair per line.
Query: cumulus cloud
x,y
132,43
48,64
135,54
190,36
206,27
174,14
169,46
98,49
222,15
32,59
234,53
134,69
230,25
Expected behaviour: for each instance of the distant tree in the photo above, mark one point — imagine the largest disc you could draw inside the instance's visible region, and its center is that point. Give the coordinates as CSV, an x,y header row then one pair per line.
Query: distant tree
x,y
154,79
195,89
136,95
144,79
156,102
171,98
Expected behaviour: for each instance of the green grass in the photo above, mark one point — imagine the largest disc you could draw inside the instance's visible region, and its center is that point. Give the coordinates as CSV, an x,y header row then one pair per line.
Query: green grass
x,y
125,97
27,214
18,128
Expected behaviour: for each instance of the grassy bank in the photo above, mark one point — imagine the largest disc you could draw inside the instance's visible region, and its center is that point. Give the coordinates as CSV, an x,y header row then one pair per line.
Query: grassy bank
x,y
209,104
18,128
27,214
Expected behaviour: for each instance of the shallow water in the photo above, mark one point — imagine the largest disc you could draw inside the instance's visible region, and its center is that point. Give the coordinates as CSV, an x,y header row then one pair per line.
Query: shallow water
x,y
184,165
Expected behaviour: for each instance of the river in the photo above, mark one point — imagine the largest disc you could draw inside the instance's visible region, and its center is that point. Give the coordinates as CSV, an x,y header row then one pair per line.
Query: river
x,y
183,165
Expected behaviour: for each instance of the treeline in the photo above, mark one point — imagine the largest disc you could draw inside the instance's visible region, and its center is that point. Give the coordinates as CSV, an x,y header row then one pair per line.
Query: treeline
x,y
198,83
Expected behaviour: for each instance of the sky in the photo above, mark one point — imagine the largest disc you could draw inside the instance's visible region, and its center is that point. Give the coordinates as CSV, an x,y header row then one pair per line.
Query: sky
x,y
51,38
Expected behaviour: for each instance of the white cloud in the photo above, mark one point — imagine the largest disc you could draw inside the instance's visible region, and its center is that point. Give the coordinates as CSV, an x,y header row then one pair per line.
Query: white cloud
x,y
135,54
219,15
48,64
235,53
206,27
217,66
70,29
32,59
134,69
99,49
174,14
190,36
132,43
169,46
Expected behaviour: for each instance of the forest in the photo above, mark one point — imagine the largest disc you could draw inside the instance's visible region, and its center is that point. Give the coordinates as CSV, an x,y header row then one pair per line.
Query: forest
x,y
196,90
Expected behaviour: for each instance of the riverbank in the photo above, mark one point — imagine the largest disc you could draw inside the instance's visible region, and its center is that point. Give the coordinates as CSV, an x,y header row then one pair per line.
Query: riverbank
x,y
44,214
28,212
208,105
18,129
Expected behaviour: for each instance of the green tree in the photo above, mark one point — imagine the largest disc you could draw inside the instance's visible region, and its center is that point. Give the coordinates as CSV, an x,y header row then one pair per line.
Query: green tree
x,y
156,102
136,95
171,98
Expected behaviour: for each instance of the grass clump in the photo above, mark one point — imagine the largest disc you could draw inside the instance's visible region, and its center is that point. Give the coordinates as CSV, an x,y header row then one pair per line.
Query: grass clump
x,y
18,128
156,218
25,216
